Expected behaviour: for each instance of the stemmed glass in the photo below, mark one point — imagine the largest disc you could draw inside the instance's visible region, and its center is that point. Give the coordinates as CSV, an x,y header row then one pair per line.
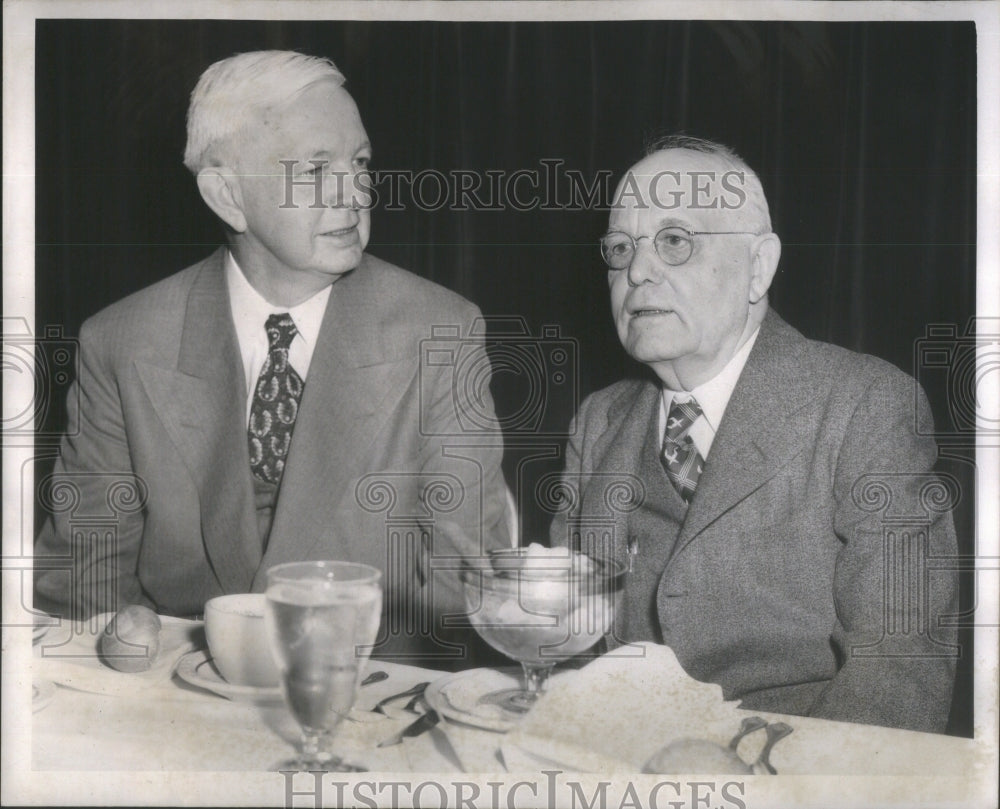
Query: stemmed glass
x,y
540,606
322,619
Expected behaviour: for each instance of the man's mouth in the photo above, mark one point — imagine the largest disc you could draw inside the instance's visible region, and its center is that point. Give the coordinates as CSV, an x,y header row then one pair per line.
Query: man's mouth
x,y
341,231
649,311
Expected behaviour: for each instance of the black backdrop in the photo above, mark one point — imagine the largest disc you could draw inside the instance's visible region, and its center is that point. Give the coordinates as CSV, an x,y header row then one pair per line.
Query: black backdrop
x,y
863,133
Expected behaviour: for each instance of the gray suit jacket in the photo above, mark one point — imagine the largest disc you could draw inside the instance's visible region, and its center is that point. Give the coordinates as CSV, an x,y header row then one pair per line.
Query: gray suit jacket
x,y
380,470
797,580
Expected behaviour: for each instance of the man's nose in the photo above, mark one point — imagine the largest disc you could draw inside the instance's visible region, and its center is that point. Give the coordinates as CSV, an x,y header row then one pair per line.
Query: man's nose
x,y
646,266
348,188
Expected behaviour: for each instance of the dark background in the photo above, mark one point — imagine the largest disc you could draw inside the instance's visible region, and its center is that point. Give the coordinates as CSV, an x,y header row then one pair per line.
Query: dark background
x,y
863,134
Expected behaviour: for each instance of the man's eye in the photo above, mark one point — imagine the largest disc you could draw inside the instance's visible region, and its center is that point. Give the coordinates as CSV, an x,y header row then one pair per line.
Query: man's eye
x,y
362,162
314,169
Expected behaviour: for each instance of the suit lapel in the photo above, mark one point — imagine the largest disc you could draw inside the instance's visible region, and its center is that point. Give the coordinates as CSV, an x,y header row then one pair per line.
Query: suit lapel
x,y
353,385
201,404
764,426
616,451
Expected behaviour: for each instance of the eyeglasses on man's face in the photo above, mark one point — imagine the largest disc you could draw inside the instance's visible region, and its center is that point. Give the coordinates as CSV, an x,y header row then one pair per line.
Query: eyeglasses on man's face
x,y
674,245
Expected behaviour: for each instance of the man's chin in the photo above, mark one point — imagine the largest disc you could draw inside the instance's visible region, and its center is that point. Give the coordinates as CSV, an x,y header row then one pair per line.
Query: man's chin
x,y
341,263
650,352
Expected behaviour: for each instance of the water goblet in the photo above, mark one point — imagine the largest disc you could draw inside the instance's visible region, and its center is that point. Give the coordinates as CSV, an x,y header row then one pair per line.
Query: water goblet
x,y
540,606
322,619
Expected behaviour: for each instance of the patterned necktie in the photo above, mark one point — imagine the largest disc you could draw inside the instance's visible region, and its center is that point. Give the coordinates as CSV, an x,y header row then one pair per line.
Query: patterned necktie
x,y
681,459
275,403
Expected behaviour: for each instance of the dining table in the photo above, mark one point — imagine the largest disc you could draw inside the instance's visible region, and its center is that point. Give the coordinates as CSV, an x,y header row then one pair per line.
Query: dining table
x,y
155,732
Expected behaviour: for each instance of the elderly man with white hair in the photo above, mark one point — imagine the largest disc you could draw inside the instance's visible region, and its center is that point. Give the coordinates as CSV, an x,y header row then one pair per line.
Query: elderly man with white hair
x,y
269,404
783,505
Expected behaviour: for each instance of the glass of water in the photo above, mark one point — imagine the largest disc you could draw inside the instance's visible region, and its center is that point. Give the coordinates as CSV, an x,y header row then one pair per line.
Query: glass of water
x,y
322,619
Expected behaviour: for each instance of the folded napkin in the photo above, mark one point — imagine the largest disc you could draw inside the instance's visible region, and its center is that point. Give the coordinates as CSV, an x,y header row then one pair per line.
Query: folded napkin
x,y
614,713
67,655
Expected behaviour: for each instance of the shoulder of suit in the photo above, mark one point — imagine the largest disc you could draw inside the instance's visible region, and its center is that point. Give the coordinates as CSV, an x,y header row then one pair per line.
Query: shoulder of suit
x,y
822,364
412,293
153,311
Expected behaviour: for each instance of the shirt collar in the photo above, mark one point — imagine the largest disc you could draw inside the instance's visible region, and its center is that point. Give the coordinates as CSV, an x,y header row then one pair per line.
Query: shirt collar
x,y
251,309
713,396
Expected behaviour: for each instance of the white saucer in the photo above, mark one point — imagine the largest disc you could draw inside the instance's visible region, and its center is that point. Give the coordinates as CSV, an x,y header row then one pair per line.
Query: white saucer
x,y
197,669
457,697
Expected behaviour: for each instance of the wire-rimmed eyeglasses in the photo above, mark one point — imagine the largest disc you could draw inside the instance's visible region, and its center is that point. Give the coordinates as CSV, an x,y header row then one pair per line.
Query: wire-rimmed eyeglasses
x,y
672,244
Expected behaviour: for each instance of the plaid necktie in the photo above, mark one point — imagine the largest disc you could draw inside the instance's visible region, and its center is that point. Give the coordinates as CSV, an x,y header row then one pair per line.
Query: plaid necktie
x,y
680,457
275,403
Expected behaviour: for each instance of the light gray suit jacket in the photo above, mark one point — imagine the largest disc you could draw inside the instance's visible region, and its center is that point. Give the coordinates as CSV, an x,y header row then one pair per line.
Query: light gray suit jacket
x,y
380,470
798,579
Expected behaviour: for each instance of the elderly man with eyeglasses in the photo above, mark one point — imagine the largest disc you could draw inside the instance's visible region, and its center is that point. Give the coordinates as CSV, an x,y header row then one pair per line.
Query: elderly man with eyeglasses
x,y
766,469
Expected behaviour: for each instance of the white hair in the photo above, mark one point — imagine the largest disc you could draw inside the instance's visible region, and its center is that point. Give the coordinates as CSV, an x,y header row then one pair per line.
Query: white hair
x,y
756,201
232,90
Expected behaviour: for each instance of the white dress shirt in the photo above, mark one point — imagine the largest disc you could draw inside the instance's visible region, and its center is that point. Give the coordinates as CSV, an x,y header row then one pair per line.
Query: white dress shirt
x,y
250,312
713,396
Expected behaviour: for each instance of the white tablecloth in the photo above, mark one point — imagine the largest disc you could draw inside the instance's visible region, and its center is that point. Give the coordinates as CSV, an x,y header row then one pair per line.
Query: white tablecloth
x,y
166,725
100,719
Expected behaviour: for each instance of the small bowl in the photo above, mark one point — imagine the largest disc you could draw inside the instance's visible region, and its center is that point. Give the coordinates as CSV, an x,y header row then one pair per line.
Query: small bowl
x,y
237,640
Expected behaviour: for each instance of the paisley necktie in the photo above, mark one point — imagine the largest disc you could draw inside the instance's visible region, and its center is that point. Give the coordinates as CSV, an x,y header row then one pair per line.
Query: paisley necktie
x,y
275,403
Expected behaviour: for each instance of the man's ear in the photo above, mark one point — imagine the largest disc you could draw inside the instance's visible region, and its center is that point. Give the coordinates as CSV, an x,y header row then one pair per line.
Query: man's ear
x,y
764,255
220,189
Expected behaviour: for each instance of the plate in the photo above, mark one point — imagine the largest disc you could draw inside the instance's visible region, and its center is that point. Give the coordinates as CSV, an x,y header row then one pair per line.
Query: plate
x,y
42,692
457,697
197,669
